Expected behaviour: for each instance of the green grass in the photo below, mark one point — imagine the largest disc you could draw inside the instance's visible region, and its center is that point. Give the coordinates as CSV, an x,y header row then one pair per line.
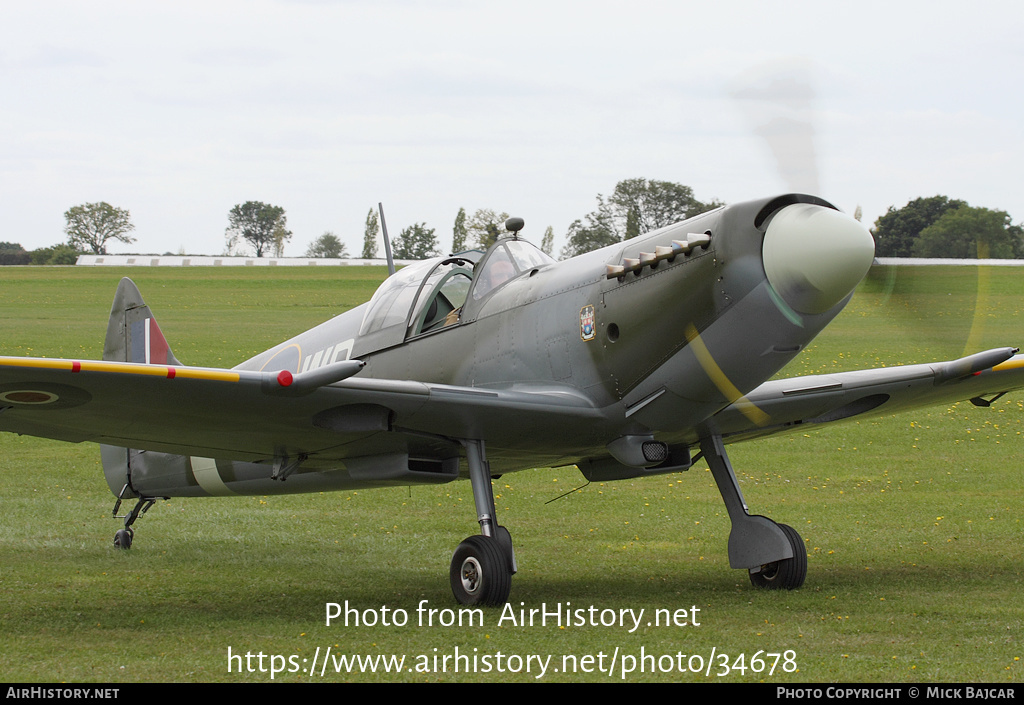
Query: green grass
x,y
912,522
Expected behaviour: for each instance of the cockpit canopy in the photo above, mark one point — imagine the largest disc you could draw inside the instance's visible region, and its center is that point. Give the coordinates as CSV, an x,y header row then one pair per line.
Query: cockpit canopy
x,y
429,295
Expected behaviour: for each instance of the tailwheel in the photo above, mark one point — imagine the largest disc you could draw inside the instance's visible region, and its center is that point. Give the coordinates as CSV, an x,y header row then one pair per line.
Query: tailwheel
x,y
123,538
480,572
787,574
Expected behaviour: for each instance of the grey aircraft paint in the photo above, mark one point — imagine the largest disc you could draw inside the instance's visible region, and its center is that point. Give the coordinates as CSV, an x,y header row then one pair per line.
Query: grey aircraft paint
x,y
624,361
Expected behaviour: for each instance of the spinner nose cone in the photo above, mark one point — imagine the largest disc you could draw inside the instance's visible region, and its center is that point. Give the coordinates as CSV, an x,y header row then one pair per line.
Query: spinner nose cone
x,y
814,256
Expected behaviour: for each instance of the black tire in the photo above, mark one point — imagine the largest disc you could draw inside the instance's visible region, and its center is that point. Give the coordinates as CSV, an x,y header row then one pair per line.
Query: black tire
x,y
787,574
123,539
480,573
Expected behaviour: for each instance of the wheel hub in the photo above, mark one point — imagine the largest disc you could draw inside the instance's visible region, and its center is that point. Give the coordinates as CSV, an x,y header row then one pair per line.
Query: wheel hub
x,y
470,574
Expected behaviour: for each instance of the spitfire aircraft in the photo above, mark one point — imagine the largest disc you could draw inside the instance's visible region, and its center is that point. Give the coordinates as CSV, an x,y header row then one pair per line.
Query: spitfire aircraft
x,y
632,360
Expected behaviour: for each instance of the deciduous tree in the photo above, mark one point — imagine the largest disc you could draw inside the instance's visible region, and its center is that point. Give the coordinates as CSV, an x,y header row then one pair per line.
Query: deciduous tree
x,y
91,225
459,232
638,206
261,225
370,235
593,235
635,207
971,233
485,227
13,253
547,243
327,245
61,253
415,242
896,231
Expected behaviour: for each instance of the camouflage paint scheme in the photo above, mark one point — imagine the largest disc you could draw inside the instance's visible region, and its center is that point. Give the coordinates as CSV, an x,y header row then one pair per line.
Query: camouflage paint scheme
x,y
622,361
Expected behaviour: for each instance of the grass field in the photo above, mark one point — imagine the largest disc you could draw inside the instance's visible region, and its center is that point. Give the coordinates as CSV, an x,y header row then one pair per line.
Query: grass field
x,y
912,523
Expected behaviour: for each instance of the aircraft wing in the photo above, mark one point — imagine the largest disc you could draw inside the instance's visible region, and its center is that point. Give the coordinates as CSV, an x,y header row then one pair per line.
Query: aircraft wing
x,y
246,415
785,405
329,415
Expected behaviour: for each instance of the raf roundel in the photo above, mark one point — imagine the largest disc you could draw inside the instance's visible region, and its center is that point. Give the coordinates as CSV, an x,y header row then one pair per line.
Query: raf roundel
x,y
28,396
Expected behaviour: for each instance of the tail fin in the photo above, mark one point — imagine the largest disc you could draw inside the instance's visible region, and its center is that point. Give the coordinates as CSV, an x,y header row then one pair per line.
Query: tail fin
x,y
132,333
132,336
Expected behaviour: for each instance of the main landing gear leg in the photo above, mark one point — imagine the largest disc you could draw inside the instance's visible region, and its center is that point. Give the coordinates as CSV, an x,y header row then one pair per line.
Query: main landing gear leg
x,y
483,566
773,554
123,538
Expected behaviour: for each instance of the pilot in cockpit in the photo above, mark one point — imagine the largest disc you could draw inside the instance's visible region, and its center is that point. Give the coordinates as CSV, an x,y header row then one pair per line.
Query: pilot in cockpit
x,y
496,271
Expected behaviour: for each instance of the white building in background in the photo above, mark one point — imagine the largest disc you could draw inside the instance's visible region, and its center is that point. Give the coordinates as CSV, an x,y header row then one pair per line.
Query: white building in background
x,y
209,261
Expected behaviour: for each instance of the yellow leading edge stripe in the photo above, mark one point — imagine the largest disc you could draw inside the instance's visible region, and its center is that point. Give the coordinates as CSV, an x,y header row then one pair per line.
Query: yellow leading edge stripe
x,y
713,371
130,368
1012,364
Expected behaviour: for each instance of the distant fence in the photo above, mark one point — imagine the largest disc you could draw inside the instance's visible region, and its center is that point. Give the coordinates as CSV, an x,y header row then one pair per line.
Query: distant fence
x,y
205,261
922,262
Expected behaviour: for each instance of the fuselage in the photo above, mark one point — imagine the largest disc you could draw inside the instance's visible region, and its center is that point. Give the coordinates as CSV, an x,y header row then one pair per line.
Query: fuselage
x,y
629,351
659,347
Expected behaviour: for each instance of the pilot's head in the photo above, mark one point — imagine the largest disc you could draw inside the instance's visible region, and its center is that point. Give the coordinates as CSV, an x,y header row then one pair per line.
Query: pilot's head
x,y
499,272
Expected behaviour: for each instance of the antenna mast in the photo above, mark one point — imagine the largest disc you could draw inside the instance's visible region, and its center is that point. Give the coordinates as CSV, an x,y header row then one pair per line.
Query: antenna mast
x,y
387,241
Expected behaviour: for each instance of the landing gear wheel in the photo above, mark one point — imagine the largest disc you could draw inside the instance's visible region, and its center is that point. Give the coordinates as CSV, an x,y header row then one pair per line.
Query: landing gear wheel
x,y
480,572
787,574
123,539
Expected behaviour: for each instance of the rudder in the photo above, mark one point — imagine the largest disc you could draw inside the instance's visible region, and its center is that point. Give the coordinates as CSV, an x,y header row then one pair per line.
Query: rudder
x,y
132,332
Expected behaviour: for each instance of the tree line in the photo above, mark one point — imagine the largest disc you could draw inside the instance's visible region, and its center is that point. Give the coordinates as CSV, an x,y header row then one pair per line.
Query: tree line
x,y
937,226
925,227
417,241
635,207
947,228
88,228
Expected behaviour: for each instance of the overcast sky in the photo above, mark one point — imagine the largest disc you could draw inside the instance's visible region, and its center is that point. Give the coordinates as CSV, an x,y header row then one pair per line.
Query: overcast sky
x,y
178,111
